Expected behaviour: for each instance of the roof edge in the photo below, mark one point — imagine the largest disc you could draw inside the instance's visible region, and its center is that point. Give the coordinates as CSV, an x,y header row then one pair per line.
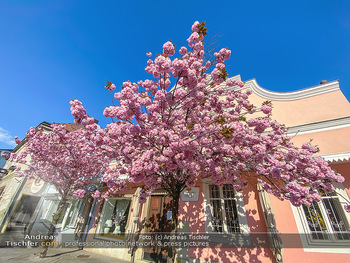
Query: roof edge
x,y
290,95
337,157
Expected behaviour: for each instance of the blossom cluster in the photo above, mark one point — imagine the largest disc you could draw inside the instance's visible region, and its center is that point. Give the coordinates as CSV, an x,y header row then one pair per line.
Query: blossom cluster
x,y
68,160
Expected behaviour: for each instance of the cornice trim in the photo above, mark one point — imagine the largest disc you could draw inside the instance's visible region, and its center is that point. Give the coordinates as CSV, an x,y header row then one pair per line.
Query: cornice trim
x,y
320,126
289,96
337,157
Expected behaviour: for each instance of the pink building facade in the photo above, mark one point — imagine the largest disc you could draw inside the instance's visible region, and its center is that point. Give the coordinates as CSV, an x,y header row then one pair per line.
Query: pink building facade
x,y
319,233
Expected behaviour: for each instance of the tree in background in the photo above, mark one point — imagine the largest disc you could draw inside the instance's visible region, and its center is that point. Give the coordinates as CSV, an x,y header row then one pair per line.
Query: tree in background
x,y
202,127
70,161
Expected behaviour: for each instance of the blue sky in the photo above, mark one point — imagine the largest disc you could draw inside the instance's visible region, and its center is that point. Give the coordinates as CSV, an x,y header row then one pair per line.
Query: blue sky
x,y
55,51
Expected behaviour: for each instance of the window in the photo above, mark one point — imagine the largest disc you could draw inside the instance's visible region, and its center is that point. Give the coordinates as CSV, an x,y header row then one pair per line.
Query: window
x,y
324,225
224,209
326,217
114,217
224,217
69,214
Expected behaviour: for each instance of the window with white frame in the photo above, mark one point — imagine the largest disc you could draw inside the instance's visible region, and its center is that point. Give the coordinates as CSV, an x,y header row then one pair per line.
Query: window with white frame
x,y
324,225
224,217
326,219
224,209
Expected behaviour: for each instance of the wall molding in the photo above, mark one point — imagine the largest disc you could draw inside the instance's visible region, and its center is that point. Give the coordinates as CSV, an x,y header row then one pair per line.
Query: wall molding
x,y
321,126
291,95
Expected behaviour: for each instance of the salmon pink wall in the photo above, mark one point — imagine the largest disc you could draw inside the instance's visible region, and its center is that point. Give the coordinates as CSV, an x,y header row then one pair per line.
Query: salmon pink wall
x,y
331,105
344,170
193,212
333,141
286,223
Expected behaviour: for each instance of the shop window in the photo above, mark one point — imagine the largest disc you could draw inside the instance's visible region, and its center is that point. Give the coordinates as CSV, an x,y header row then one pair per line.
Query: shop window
x,y
69,215
114,218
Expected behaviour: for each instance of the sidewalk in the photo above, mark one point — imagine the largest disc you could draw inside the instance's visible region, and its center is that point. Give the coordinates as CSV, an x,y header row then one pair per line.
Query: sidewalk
x,y
53,255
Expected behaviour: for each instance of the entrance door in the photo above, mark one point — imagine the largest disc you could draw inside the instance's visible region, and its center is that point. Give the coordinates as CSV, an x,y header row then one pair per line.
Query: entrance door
x,y
158,223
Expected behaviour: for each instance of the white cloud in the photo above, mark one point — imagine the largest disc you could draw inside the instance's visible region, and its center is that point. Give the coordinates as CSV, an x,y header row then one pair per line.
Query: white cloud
x,y
7,138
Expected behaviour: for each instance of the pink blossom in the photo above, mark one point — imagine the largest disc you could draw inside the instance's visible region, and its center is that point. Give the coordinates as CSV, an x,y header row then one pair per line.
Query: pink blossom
x,y
5,155
149,54
78,111
275,172
162,64
266,109
110,86
233,82
216,76
220,66
198,47
18,141
169,48
183,50
194,37
104,195
195,27
79,193
309,147
347,208
96,194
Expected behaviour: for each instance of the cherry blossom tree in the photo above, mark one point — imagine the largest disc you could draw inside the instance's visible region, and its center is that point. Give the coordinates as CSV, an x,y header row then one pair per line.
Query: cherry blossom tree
x,y
189,122
67,160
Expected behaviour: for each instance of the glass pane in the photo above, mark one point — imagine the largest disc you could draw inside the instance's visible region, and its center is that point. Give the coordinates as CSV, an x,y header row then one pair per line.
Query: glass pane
x,y
315,221
336,218
106,222
73,213
52,209
217,215
214,191
121,216
65,207
231,216
115,217
70,215
228,191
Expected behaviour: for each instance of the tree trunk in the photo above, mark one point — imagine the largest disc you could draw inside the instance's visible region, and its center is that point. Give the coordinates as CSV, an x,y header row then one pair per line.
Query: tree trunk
x,y
52,228
174,226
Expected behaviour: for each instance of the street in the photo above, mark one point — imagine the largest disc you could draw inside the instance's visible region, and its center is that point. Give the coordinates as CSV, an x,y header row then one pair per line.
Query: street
x,y
54,255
